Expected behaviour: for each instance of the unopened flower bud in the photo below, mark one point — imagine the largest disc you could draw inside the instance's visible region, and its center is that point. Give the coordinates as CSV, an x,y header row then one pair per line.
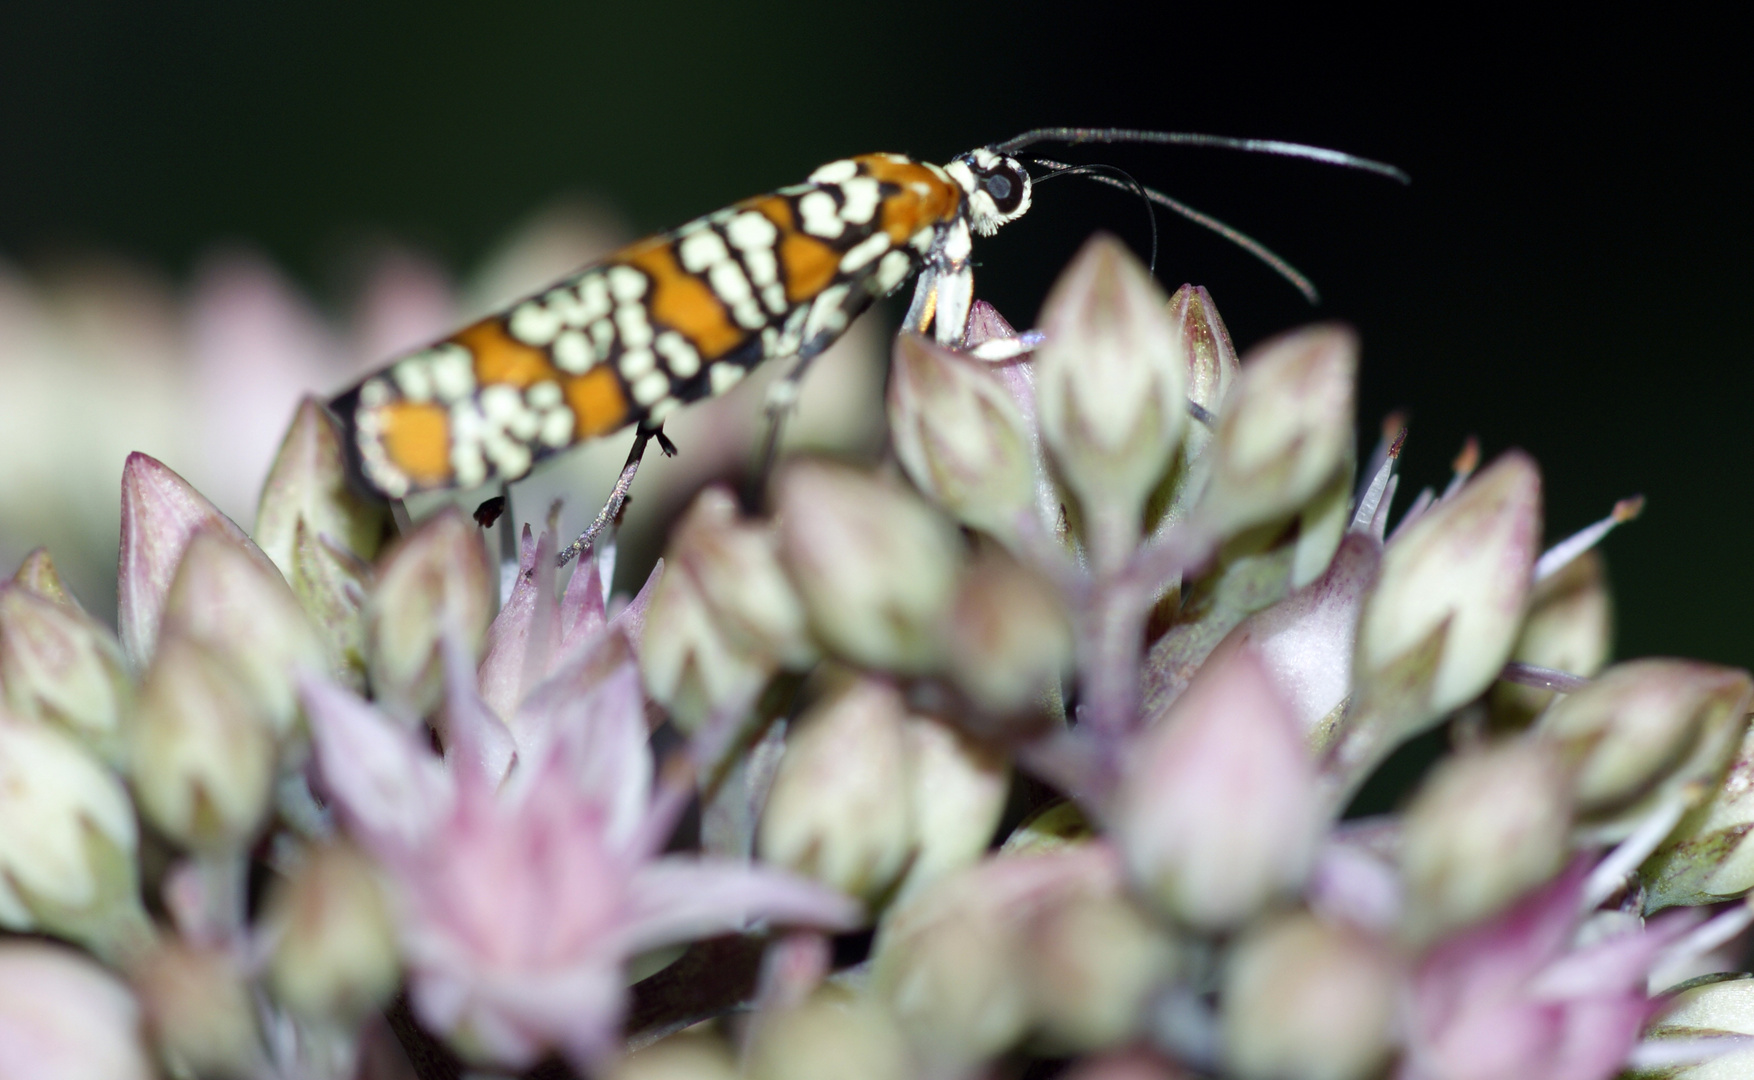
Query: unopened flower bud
x,y
199,1010
244,614
1719,1009
1709,857
1285,431
1111,382
1095,962
839,810
724,616
37,575
960,436
1569,627
1126,1065
436,581
63,1017
1485,828
876,567
59,664
1303,1000
854,1039
1448,601
67,841
1219,811
307,486
203,749
1055,827
332,585
956,790
334,940
1645,731
1010,642
1211,358
680,1057
161,513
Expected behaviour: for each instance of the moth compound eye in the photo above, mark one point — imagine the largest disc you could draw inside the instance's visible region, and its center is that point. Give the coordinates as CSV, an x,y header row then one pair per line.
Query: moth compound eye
x,y
999,187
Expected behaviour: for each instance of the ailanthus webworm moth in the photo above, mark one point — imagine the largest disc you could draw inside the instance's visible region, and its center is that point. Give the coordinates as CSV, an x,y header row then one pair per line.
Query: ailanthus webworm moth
x,y
686,314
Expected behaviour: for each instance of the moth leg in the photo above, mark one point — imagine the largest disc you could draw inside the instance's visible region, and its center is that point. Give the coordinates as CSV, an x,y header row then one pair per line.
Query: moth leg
x,y
618,494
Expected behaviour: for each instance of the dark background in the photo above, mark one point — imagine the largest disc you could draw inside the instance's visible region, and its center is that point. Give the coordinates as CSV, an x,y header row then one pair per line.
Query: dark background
x,y
1570,271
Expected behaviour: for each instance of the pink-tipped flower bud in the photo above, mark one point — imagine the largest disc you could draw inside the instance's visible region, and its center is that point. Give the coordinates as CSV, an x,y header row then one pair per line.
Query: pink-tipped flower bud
x,y
1485,828
244,613
956,793
1095,962
436,581
60,665
839,809
307,486
724,616
199,1010
161,513
1569,627
1286,429
875,566
960,436
68,841
1111,385
1009,637
1448,602
1211,358
332,584
1303,1000
203,749
63,1017
1218,812
334,939
1645,732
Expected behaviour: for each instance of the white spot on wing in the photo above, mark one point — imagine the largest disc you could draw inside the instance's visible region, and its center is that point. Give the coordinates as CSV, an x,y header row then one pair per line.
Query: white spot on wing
x,y
835,172
861,196
650,387
864,252
723,376
820,215
534,324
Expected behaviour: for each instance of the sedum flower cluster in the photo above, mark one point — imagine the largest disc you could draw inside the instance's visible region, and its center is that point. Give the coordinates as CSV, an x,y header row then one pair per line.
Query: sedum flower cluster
x,y
1033,751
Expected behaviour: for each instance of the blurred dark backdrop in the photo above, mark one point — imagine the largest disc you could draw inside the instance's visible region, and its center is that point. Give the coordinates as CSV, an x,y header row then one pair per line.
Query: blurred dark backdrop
x,y
1570,271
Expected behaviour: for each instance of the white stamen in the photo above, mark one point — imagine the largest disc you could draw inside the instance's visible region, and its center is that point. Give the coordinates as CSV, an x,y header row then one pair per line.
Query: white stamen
x,y
1560,555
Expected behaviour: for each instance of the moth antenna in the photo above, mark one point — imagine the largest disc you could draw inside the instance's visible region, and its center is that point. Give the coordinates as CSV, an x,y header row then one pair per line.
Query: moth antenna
x,y
1125,180
1072,136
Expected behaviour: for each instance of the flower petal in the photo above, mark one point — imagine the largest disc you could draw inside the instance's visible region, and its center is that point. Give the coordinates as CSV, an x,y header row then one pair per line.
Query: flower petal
x,y
390,785
680,899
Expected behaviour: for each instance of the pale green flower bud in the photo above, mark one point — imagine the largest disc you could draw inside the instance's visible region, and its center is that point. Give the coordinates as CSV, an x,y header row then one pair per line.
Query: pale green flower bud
x,y
875,566
437,580
334,940
68,842
1708,858
1485,828
956,790
680,1057
1440,623
307,486
1095,961
332,585
839,809
1111,384
244,614
1055,827
1645,731
1009,638
846,1040
1211,358
200,1012
1569,627
203,750
1711,1010
1303,1000
960,436
37,575
59,664
1286,429
63,1017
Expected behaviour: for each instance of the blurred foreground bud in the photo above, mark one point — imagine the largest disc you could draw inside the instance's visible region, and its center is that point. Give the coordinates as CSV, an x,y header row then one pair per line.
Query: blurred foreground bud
x,y
956,792
846,1040
437,580
37,575
1569,627
67,842
59,664
960,436
1715,1010
1219,811
1709,857
1095,961
1285,431
1645,732
1126,1065
203,750
876,567
723,617
1485,828
1010,641
161,513
307,487
1304,1000
243,613
334,940
63,1017
1111,384
1441,620
332,585
680,1057
199,1010
839,810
